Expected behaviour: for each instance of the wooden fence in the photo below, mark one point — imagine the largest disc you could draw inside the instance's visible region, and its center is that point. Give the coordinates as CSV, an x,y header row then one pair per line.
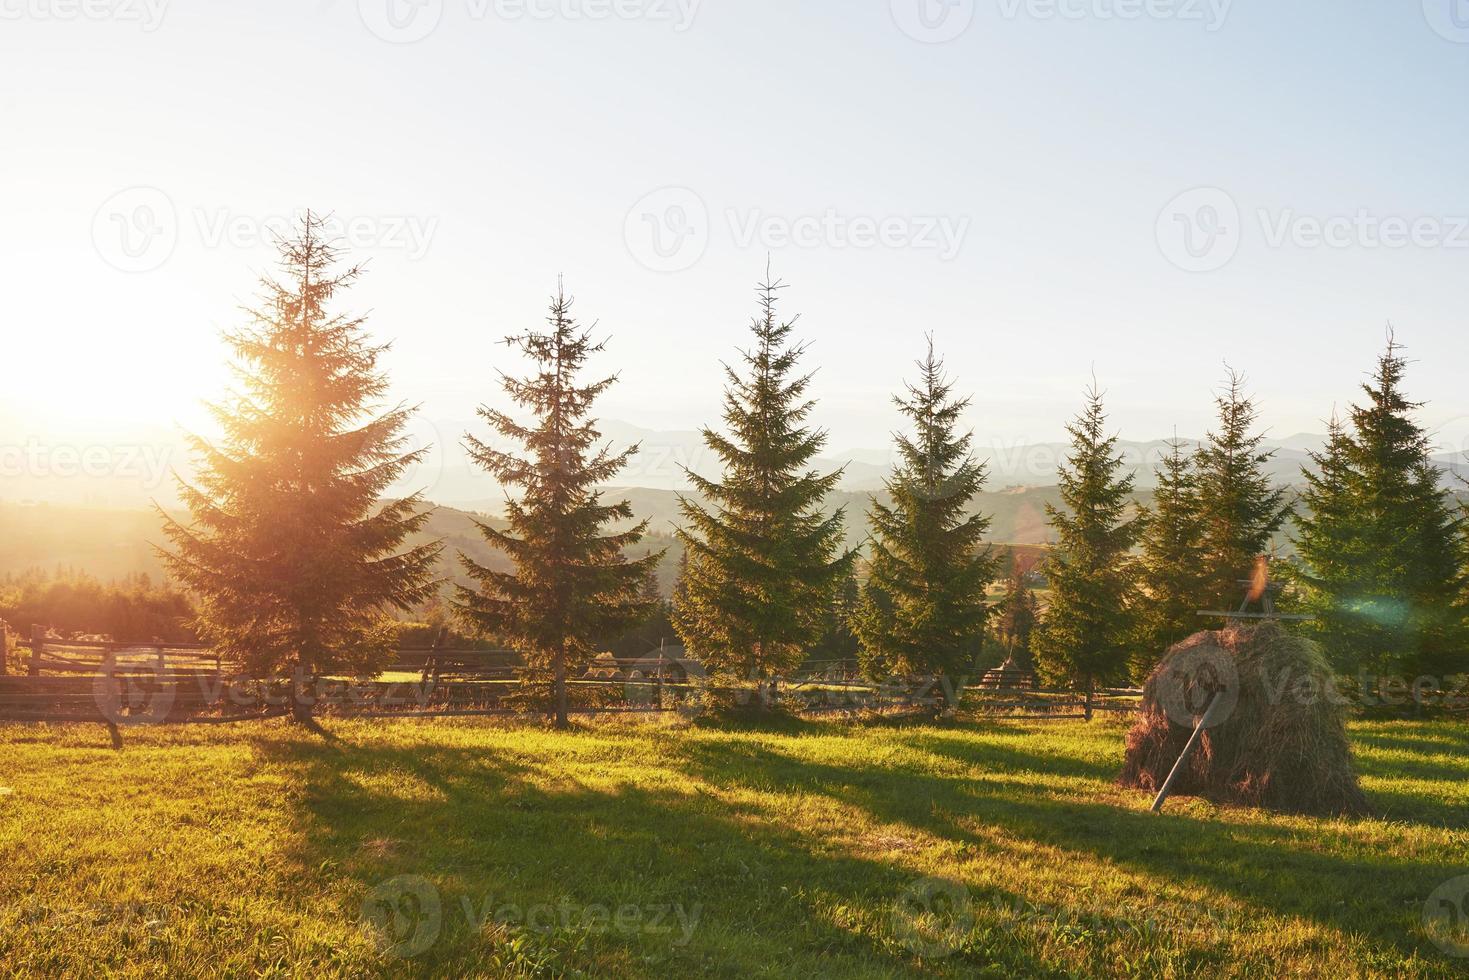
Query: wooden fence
x,y
126,684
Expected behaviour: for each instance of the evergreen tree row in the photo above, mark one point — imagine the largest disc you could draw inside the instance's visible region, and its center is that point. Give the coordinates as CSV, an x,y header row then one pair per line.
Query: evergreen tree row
x,y
297,561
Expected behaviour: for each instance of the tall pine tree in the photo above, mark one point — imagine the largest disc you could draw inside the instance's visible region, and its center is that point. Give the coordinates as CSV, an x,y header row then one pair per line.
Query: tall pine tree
x,y
1239,505
1380,539
1174,577
764,561
572,586
923,606
295,558
1086,634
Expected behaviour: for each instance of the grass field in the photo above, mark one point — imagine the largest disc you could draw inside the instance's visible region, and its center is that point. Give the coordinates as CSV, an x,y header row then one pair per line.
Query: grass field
x,y
807,850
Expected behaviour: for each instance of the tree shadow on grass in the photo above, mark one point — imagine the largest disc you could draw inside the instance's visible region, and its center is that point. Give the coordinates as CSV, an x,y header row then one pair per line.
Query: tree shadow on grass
x,y
489,833
515,827
1319,875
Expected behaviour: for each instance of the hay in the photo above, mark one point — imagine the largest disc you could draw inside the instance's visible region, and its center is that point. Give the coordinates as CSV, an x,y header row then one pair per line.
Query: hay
x,y
1278,740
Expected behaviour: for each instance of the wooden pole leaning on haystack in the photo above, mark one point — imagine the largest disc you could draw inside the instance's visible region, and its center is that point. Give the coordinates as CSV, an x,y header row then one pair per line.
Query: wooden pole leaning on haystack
x,y
1205,720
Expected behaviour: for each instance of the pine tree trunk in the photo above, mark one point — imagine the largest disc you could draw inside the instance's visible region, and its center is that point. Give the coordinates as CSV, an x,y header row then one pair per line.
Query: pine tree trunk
x,y
301,705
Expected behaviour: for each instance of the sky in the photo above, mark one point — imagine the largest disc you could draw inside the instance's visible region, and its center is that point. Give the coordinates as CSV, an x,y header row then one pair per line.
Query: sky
x,y
1140,189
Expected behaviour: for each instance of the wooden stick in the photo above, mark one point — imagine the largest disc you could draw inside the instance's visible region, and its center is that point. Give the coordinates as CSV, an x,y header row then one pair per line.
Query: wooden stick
x,y
1188,749
38,647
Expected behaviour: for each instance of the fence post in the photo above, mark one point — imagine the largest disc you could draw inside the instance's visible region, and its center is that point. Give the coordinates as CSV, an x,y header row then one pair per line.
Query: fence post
x,y
38,645
4,648
1088,703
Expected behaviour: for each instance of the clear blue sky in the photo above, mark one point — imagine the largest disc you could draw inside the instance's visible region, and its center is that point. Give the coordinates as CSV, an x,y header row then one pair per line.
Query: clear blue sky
x,y
525,144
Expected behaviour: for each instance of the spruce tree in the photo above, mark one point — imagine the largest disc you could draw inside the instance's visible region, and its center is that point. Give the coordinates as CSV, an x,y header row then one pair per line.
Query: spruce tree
x,y
1087,632
296,560
1240,507
764,561
1016,617
1380,539
838,646
573,585
1333,567
923,607
1173,573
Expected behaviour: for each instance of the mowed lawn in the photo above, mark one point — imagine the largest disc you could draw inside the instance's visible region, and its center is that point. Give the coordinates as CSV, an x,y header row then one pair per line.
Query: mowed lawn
x,y
442,848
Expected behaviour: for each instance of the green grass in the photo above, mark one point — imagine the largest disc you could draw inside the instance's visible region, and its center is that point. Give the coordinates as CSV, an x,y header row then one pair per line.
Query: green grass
x,y
806,850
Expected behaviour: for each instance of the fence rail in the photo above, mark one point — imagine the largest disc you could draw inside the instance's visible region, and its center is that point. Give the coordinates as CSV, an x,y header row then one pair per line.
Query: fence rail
x,y
123,683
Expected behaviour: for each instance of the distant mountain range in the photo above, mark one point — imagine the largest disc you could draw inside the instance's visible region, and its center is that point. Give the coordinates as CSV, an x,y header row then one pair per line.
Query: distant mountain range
x,y
104,473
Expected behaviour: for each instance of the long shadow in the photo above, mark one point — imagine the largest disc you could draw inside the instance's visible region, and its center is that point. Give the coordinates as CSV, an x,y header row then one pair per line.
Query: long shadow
x,y
1446,770
487,831
1272,867
964,747
486,827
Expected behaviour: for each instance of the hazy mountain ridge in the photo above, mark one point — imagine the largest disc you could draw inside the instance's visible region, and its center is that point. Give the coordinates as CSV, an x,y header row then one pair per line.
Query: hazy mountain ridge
x,y
105,473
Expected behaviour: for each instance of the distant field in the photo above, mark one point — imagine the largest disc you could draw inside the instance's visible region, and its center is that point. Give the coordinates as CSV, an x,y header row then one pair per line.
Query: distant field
x,y
645,850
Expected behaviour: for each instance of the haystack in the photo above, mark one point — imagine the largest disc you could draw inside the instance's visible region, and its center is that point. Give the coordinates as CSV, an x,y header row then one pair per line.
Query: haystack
x,y
1277,739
